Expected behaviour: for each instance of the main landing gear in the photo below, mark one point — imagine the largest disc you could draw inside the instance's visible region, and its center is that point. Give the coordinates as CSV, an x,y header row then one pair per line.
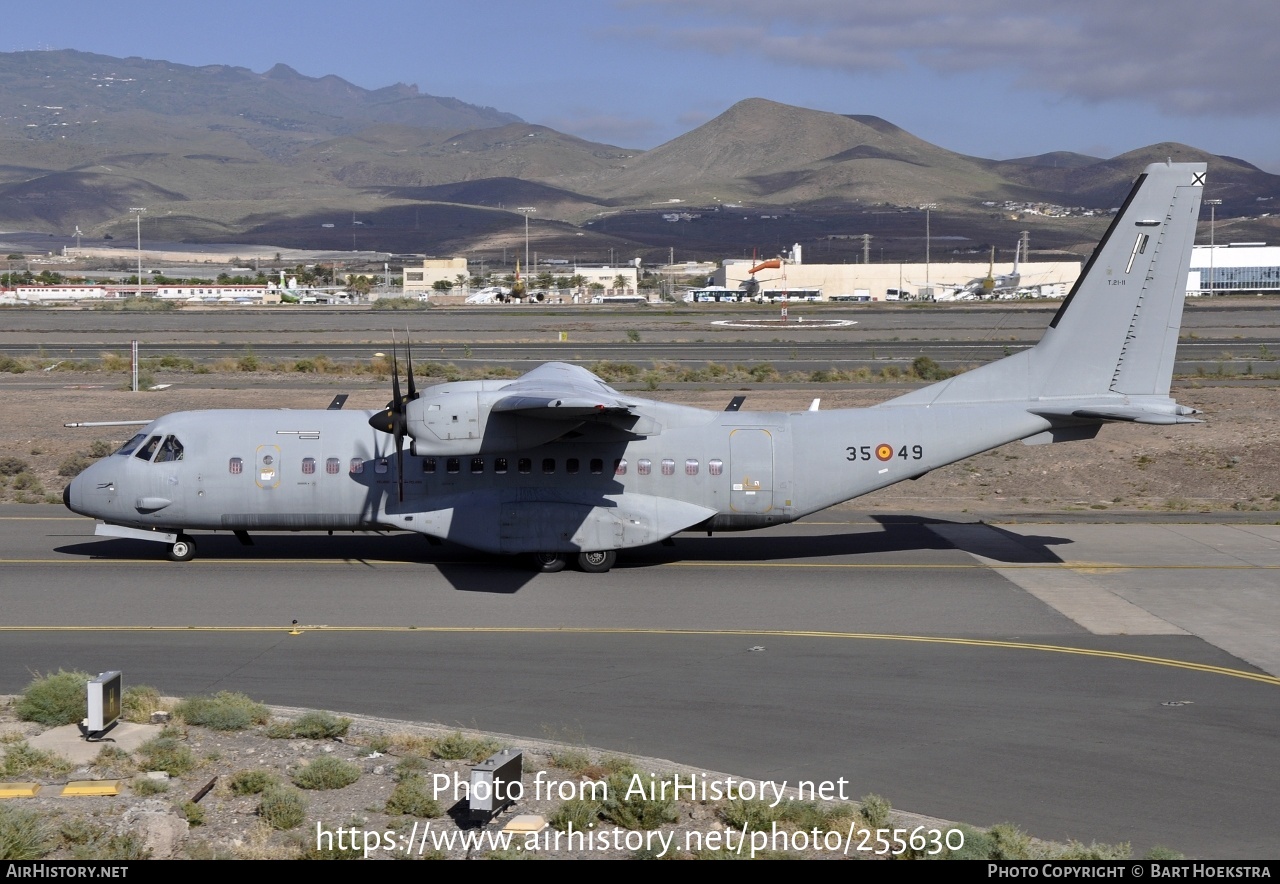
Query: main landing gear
x,y
549,563
182,550
596,562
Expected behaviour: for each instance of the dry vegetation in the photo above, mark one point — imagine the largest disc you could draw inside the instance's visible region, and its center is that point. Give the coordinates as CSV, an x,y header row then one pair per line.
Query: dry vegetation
x,y
269,788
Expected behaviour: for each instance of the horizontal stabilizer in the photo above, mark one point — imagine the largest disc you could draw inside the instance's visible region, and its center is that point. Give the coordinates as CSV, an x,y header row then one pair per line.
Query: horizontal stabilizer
x,y
1172,413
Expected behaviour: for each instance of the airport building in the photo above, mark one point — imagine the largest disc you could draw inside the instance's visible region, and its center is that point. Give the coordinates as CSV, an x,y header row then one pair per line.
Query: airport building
x,y
879,282
1237,268
418,281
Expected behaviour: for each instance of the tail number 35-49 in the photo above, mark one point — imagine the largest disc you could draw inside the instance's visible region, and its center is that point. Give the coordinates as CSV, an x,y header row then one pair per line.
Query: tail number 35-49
x,y
883,452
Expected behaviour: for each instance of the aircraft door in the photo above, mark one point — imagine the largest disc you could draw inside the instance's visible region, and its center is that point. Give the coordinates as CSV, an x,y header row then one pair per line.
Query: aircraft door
x,y
751,470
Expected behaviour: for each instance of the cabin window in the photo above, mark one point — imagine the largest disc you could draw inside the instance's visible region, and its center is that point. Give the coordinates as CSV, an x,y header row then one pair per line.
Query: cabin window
x,y
130,446
715,466
477,464
235,466
452,465
620,467
644,466
571,465
170,450
381,466
597,466
357,466
548,465
499,465
668,467
146,452
428,465
308,466
691,467
333,466
525,465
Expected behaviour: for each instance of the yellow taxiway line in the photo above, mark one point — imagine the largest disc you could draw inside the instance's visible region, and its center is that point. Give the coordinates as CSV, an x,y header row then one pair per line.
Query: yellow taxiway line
x,y
302,629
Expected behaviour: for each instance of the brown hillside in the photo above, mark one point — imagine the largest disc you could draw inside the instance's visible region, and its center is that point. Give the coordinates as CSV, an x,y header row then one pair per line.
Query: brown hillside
x,y
760,149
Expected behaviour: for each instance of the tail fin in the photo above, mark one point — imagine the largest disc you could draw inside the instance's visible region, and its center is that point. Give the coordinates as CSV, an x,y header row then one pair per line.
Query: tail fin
x,y
1108,353
1117,331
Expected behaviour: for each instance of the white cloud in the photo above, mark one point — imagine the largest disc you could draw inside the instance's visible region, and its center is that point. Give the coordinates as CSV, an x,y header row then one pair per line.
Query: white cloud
x,y
1179,56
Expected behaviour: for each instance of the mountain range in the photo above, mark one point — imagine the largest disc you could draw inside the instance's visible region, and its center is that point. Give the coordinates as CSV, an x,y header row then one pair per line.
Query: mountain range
x,y
221,153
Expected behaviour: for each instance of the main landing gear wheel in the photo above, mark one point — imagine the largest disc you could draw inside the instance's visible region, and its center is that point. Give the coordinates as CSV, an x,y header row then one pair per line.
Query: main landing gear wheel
x,y
182,550
549,562
597,562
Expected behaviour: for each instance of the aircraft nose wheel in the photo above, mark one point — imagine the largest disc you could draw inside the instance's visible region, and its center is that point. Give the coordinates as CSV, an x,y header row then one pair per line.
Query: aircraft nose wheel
x,y
182,550
597,562
548,562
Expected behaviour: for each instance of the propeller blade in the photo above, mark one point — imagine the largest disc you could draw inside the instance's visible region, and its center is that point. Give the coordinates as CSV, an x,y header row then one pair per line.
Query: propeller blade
x,y
395,378
408,352
400,461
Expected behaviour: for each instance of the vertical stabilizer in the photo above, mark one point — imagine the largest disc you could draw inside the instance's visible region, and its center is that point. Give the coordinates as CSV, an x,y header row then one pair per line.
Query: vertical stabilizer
x,y
1117,331
1116,334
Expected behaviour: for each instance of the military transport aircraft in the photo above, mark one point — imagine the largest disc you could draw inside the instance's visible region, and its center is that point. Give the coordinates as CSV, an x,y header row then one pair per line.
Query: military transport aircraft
x,y
559,466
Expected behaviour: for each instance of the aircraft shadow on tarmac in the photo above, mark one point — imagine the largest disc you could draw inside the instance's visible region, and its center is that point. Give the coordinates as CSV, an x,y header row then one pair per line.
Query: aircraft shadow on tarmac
x,y
469,571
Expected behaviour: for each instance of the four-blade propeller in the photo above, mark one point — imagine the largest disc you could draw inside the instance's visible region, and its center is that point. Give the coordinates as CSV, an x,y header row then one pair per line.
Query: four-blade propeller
x,y
394,418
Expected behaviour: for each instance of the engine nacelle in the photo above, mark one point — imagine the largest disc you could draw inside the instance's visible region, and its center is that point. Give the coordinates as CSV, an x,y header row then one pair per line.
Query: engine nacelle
x,y
461,421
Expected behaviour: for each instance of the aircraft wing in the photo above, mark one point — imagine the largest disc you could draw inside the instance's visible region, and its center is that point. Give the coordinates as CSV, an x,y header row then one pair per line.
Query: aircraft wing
x,y
558,391
559,405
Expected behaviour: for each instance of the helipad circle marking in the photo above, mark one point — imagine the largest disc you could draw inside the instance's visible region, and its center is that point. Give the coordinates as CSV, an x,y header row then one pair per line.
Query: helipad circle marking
x,y
778,323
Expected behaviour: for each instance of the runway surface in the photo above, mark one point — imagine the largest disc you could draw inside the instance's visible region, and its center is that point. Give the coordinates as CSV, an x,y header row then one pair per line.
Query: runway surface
x,y
1237,335
1087,681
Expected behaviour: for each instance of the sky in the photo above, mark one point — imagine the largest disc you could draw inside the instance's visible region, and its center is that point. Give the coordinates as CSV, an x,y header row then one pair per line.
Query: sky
x,y
990,78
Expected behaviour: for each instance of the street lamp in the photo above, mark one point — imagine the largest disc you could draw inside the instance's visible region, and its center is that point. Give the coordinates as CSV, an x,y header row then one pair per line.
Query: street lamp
x,y
1213,205
137,214
928,207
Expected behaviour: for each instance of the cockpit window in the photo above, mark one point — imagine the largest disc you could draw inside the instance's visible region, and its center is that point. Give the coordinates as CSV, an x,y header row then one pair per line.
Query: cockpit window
x,y
170,450
128,447
147,451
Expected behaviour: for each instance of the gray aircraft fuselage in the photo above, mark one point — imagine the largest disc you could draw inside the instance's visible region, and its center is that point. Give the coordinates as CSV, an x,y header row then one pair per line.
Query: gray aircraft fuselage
x,y
558,462
317,470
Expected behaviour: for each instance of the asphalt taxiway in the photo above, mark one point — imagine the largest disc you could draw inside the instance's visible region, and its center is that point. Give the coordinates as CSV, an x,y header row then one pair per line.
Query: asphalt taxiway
x,y
1088,681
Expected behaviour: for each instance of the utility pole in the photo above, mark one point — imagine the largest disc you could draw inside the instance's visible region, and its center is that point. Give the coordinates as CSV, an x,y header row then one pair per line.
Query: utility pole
x,y
1213,207
137,214
928,207
866,248
526,210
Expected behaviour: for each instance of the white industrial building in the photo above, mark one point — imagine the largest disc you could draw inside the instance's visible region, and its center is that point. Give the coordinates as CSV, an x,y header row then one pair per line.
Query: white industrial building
x,y
879,282
1236,268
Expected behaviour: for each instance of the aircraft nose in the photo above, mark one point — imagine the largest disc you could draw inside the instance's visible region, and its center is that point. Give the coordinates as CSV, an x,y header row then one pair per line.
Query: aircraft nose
x,y
73,496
